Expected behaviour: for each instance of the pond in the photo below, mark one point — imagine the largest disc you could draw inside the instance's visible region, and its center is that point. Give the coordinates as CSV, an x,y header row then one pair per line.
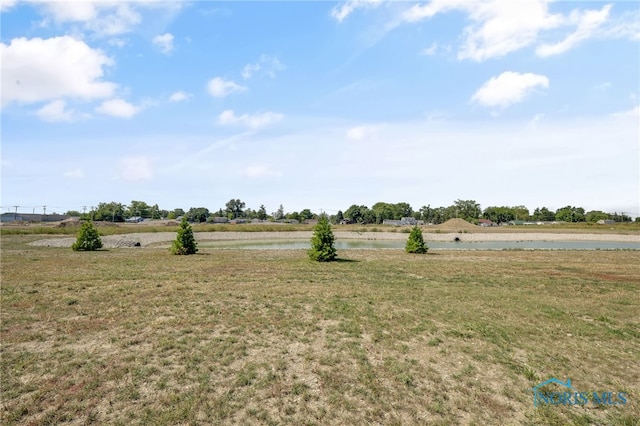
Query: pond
x,y
433,245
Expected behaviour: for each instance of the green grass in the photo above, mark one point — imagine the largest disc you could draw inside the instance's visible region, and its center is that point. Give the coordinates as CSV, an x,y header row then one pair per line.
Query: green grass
x,y
269,337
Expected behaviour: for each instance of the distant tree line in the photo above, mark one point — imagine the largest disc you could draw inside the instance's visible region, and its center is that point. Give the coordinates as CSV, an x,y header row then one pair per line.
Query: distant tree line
x,y
468,210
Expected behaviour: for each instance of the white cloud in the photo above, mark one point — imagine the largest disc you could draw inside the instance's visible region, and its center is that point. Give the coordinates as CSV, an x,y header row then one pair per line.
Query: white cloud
x,y
180,96
535,121
253,121
626,26
219,87
266,64
431,50
56,111
7,4
249,70
499,26
118,42
361,132
633,112
344,9
118,108
588,23
74,174
35,70
261,171
422,11
164,42
104,18
508,88
135,168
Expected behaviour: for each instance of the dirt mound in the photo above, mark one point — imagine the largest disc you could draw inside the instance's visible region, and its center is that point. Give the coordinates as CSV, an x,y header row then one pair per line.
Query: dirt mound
x,y
457,225
72,221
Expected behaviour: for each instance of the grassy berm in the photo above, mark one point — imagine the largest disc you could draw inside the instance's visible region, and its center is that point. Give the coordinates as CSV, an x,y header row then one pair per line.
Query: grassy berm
x,y
138,336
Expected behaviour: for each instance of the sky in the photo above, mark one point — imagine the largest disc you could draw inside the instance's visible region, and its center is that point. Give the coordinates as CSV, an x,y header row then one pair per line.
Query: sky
x,y
319,104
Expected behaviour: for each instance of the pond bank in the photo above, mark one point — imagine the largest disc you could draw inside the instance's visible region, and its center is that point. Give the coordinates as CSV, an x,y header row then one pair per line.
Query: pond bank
x,y
152,239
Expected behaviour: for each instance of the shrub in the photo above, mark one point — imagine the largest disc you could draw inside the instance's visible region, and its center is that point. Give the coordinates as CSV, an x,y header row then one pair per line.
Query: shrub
x,y
88,238
415,243
185,243
322,249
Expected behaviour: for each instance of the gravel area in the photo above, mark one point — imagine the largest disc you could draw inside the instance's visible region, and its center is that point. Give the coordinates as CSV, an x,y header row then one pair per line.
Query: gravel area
x,y
147,239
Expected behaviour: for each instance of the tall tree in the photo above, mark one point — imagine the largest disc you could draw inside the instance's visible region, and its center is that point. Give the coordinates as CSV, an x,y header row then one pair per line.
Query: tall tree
x,y
139,209
109,212
279,214
305,214
262,212
543,214
197,214
570,214
234,208
468,210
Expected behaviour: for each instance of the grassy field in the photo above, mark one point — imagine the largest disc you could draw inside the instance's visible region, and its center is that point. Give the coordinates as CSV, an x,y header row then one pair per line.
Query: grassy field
x,y
107,228
138,336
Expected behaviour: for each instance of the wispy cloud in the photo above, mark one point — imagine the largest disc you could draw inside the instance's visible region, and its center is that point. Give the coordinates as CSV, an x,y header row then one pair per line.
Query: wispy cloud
x,y
135,168
361,132
218,87
56,111
431,50
253,121
164,42
180,96
588,22
118,108
341,11
266,64
260,171
77,173
508,88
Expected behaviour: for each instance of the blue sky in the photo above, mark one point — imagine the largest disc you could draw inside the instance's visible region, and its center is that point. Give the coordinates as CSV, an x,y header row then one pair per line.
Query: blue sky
x,y
321,104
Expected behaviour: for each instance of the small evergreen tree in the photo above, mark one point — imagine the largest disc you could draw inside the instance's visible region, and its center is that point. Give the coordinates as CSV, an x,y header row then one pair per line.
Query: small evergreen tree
x,y
88,238
322,249
415,243
185,243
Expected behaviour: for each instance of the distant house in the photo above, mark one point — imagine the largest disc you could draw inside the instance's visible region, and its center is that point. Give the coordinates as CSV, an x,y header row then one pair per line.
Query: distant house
x,y
311,221
29,217
520,222
405,221
134,219
238,221
346,222
606,222
219,219
486,222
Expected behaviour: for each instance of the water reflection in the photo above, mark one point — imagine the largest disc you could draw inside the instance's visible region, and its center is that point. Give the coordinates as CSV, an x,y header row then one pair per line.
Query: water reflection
x,y
433,245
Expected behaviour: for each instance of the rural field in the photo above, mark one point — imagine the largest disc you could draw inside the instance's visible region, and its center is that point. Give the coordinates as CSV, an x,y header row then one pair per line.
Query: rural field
x,y
138,336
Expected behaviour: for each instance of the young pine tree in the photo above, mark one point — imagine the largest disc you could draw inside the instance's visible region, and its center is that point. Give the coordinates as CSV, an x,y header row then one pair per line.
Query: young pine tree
x,y
185,243
88,238
415,243
322,249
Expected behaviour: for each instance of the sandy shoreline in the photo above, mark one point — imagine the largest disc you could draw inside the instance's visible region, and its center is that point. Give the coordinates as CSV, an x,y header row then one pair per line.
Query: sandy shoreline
x,y
150,239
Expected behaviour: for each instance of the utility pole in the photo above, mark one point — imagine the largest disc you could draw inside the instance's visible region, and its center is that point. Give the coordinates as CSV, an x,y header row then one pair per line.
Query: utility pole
x,y
15,214
92,209
44,210
84,210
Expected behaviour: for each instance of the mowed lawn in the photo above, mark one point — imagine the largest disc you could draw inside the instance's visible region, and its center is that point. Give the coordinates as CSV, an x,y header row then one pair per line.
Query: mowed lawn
x,y
138,336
